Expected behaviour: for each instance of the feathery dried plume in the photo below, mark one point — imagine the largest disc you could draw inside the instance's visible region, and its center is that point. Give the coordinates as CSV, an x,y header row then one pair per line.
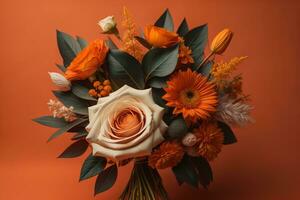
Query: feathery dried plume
x,y
223,70
233,111
130,44
60,111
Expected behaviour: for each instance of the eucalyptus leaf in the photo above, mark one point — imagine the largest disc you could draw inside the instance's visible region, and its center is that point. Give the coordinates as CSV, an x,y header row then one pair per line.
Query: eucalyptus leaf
x,y
80,135
158,82
66,128
68,47
61,67
185,172
183,28
177,128
165,21
160,62
157,94
69,99
143,42
82,92
74,150
204,170
106,179
110,43
125,69
196,39
229,137
51,121
92,166
82,42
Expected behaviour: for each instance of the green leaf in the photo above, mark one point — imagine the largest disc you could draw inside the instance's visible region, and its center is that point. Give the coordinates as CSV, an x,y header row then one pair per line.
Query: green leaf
x,y
204,170
229,137
80,135
61,67
157,93
68,47
106,179
143,42
82,92
206,68
158,82
92,166
185,172
74,150
183,28
110,43
125,69
51,121
177,128
66,128
165,21
196,39
69,99
160,62
82,42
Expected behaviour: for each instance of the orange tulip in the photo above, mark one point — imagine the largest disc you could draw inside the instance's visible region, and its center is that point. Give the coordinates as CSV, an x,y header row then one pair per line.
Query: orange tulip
x,y
160,37
87,61
221,41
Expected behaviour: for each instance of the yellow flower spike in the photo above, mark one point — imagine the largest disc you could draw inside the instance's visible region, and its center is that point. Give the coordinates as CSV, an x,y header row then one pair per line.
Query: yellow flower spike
x,y
221,41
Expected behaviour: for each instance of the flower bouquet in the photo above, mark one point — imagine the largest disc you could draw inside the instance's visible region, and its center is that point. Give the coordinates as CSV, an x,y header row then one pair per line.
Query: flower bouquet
x,y
154,98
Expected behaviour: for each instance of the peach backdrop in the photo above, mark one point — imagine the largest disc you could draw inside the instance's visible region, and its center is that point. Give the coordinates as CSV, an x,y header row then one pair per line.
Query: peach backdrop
x,y
264,164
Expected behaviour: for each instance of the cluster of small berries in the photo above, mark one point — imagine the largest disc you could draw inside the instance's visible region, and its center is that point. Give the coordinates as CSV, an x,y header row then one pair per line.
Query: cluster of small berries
x,y
100,89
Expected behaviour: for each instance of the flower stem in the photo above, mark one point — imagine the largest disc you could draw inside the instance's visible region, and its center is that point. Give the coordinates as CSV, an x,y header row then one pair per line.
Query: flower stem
x,y
205,60
145,183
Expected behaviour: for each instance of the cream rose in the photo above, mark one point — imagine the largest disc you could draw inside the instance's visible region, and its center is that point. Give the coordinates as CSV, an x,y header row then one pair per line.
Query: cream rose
x,y
108,24
126,124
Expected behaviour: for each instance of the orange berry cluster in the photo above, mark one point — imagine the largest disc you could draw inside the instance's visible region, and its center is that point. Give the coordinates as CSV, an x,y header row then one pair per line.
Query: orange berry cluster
x,y
100,89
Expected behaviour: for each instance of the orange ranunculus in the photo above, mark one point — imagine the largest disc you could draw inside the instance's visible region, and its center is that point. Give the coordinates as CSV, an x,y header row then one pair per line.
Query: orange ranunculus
x,y
87,61
160,37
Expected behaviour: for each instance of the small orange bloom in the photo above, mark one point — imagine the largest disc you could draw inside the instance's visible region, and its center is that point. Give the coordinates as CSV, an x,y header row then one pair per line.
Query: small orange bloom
x,y
160,37
87,61
210,140
169,154
185,55
191,94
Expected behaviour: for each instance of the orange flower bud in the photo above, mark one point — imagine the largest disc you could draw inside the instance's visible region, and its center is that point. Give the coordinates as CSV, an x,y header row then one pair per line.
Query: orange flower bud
x,y
87,61
160,37
221,41
107,88
96,84
106,82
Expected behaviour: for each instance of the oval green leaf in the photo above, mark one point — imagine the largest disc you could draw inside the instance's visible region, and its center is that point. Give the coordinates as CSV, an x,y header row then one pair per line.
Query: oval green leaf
x,y
160,62
125,69
92,166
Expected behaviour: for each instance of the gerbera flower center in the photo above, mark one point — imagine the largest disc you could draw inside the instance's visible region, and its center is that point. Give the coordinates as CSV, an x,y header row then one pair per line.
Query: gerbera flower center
x,y
189,98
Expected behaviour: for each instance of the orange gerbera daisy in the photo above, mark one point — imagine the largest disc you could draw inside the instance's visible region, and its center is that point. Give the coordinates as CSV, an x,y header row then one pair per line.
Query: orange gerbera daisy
x,y
210,140
191,94
169,154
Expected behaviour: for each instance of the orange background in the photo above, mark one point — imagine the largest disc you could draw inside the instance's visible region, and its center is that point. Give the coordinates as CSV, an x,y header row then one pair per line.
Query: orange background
x,y
264,164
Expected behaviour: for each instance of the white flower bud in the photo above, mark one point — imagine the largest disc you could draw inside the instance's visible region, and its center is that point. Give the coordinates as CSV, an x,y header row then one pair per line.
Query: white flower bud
x,y
189,140
60,81
107,24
